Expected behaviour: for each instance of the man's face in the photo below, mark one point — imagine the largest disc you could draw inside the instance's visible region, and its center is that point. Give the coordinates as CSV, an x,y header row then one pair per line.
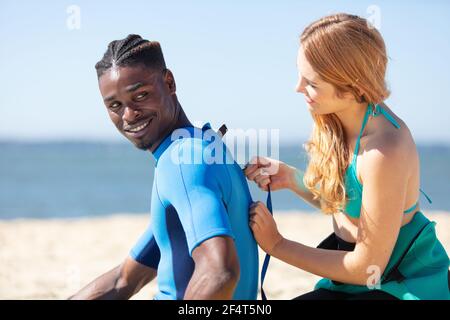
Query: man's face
x,y
140,102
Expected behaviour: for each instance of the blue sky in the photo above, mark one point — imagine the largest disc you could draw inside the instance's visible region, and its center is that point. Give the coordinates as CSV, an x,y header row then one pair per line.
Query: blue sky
x,y
234,63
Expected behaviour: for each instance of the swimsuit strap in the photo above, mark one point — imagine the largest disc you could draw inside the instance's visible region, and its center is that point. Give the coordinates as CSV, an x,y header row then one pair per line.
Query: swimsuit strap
x,y
267,257
417,203
379,110
366,118
426,196
374,111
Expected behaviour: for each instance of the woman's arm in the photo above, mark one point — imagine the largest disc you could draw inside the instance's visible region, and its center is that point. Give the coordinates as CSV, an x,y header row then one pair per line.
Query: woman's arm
x,y
385,176
297,186
279,175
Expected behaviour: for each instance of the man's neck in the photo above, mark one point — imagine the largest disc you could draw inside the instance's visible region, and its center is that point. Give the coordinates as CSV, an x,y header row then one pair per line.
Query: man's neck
x,y
182,121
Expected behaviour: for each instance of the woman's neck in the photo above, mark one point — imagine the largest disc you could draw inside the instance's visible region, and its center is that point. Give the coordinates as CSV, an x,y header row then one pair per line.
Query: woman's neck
x,y
352,118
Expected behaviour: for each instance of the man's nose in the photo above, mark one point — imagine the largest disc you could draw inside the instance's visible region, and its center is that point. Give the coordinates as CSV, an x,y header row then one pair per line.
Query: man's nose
x,y
130,114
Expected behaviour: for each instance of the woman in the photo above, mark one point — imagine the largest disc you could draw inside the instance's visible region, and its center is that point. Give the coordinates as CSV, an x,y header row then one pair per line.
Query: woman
x,y
363,171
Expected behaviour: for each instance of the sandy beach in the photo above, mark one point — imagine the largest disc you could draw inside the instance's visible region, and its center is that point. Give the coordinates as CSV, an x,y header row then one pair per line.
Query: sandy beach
x,y
51,259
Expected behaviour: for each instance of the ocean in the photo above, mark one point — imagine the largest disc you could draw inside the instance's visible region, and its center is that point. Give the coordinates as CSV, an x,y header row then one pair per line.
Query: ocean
x,y
83,179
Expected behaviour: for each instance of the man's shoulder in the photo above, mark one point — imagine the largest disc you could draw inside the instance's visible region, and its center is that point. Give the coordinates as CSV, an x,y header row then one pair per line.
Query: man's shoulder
x,y
195,151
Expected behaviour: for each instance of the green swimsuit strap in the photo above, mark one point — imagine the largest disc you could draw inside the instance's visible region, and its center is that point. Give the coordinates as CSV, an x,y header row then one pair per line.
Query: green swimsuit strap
x,y
379,110
366,118
375,111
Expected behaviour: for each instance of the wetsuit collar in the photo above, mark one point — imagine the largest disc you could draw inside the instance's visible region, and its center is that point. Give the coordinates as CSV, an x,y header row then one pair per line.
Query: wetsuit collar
x,y
167,141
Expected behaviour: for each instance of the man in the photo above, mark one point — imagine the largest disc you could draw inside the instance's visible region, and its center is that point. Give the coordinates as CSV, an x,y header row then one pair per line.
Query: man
x,y
198,243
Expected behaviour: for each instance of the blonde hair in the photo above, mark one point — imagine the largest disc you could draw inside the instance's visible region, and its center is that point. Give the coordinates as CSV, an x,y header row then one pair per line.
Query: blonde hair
x,y
350,54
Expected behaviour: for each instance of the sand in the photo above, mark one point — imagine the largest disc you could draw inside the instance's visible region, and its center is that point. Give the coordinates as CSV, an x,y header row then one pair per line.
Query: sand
x,y
52,259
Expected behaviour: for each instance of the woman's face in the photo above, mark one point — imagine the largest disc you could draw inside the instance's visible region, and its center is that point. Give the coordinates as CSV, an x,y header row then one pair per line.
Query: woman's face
x,y
321,97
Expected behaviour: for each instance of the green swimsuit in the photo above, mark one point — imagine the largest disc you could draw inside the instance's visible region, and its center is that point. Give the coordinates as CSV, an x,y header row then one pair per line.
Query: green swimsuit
x,y
418,266
352,184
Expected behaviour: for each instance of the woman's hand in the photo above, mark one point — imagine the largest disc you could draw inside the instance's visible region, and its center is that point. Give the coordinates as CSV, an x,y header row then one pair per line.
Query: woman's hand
x,y
264,227
264,171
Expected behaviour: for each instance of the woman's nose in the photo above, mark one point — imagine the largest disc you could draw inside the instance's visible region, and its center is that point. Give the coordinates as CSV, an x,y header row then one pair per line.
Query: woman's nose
x,y
300,87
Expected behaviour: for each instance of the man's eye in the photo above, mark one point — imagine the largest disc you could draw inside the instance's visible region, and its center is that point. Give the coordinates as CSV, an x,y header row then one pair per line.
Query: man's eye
x,y
114,105
141,96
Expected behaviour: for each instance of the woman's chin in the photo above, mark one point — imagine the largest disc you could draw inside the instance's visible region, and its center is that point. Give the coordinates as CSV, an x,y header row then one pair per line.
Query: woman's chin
x,y
312,107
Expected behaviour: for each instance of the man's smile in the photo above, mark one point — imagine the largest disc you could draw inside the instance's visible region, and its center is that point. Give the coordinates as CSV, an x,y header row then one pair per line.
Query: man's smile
x,y
137,130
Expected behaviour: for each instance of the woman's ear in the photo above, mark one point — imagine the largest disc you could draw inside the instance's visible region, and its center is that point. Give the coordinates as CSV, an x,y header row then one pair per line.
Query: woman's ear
x,y
358,95
353,94
169,80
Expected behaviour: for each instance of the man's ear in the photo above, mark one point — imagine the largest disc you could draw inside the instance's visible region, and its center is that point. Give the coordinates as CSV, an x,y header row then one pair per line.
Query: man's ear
x,y
169,80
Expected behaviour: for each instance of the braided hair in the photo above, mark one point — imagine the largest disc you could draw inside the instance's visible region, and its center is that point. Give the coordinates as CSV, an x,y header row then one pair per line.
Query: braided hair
x,y
131,51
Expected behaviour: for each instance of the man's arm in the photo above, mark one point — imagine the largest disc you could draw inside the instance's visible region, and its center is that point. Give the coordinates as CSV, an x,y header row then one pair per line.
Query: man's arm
x,y
216,270
199,192
119,283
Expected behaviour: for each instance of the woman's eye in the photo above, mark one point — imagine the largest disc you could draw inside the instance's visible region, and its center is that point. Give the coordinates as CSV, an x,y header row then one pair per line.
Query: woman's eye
x,y
141,96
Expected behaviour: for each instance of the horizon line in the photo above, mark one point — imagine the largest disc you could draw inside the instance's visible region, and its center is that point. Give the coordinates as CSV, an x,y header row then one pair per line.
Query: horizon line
x,y
117,141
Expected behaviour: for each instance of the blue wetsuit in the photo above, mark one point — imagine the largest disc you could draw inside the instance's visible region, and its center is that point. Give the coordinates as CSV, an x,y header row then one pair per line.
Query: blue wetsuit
x,y
196,197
